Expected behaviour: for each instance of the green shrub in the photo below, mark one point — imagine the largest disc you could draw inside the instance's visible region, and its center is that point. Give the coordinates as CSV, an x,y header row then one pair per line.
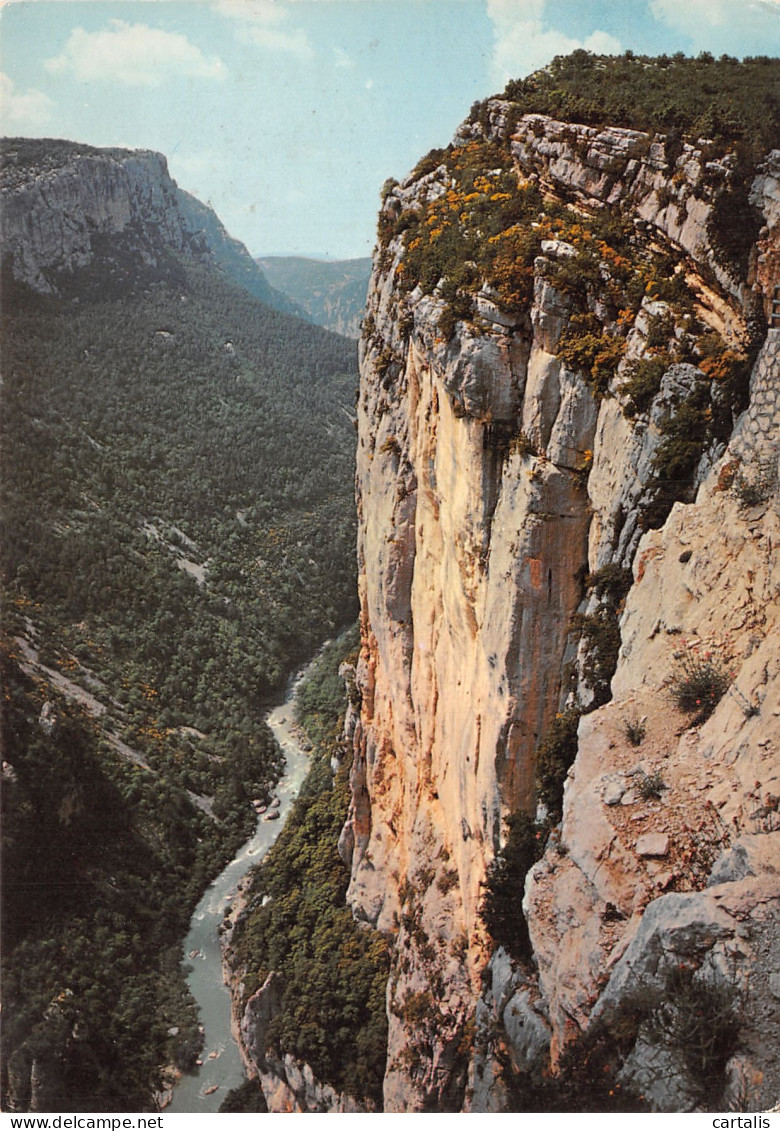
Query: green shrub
x,y
734,223
478,231
585,1079
586,348
679,97
523,445
611,583
554,756
601,635
700,1021
684,436
246,1098
432,159
698,685
642,382
651,786
758,487
501,908
459,307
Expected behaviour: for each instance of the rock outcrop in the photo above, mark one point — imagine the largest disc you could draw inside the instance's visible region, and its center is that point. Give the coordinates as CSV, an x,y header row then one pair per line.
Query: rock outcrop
x,y
540,482
288,1084
74,216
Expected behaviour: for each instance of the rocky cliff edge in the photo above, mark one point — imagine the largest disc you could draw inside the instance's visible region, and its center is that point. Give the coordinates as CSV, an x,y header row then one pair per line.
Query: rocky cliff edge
x,y
567,494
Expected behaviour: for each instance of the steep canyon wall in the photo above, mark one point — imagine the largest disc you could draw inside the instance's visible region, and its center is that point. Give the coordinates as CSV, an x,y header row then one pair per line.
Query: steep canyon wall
x,y
508,469
75,216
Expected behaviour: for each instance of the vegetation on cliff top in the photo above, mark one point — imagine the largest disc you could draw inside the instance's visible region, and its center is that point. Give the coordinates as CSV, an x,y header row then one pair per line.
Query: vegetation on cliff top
x,y
724,100
478,225
478,230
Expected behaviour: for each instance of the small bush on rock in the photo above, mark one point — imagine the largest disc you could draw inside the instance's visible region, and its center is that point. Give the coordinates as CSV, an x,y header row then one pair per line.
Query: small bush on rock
x,y
651,787
501,910
634,730
698,685
699,1020
756,488
555,754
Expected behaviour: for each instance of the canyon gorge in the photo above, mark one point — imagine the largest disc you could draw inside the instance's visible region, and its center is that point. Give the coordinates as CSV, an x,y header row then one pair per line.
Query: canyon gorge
x,y
568,517
553,805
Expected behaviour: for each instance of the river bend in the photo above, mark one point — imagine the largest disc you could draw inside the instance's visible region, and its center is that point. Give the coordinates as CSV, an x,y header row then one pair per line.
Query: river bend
x,y
222,1068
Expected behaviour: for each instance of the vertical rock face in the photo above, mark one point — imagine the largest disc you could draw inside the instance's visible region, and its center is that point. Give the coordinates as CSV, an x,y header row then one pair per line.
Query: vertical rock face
x,y
61,201
498,472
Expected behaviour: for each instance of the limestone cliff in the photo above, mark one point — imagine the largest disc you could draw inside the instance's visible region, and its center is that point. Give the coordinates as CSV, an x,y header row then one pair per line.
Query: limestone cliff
x,y
562,452
68,207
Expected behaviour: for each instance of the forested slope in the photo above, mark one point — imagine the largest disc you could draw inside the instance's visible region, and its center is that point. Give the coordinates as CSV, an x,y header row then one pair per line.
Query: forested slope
x,y
177,534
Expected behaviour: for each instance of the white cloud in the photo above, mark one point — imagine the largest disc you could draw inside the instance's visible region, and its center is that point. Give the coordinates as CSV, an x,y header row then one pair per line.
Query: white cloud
x,y
258,22
523,44
700,18
342,59
133,54
22,109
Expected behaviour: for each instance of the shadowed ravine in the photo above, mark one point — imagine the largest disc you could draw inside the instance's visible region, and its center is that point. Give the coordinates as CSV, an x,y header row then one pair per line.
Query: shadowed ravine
x,y
225,1070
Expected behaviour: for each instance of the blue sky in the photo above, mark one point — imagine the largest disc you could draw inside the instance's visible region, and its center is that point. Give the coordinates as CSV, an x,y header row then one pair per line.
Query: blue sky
x,y
288,115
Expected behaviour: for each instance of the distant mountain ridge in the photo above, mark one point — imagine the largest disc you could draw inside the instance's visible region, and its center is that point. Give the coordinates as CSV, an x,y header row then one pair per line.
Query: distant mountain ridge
x,y
331,293
62,200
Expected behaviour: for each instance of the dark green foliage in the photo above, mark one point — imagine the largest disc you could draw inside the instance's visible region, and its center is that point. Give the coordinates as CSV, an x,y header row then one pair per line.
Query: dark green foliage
x,y
247,1099
684,437
22,153
735,106
586,1080
643,382
634,729
610,583
585,347
432,159
523,445
698,684
696,1020
601,634
103,863
478,232
600,631
501,909
185,423
758,486
319,703
723,100
111,428
554,756
459,307
334,974
734,223
651,787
